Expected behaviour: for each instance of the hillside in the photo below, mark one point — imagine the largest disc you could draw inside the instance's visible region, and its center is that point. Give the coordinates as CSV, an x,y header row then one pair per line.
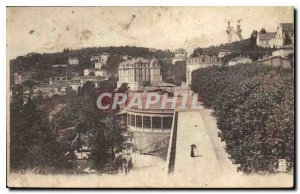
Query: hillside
x,y
42,63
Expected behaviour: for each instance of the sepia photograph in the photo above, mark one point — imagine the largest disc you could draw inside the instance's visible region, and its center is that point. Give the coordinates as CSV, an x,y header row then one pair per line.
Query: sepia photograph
x,y
150,97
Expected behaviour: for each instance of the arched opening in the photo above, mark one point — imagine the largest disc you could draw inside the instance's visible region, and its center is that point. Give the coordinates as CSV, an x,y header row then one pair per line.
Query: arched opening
x,y
92,73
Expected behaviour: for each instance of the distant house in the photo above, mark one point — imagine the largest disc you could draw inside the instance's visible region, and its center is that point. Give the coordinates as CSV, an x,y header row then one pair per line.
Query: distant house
x,y
263,39
275,61
283,52
59,65
152,49
104,57
95,72
223,53
95,57
239,60
284,30
180,55
126,57
83,79
73,61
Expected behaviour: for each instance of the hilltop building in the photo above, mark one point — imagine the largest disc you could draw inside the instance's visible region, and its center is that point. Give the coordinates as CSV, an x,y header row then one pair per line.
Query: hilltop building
x,y
284,30
277,39
138,71
102,58
223,53
73,61
263,39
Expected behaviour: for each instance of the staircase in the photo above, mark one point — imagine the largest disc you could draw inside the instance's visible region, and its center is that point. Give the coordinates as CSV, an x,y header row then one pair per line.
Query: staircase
x,y
159,148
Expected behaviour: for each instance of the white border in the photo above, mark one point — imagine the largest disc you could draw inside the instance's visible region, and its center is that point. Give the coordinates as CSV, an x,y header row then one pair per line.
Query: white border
x,y
3,62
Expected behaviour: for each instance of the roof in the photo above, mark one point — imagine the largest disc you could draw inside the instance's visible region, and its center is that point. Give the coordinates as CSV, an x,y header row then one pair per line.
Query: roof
x,y
284,48
205,56
87,78
271,57
267,35
287,26
180,50
224,50
165,85
137,60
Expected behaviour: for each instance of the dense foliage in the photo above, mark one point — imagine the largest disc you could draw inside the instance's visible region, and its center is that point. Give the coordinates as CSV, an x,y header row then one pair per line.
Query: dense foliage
x,y
245,47
254,106
32,141
36,141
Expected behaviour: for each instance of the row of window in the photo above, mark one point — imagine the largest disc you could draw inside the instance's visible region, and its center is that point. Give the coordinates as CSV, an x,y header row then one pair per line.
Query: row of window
x,y
139,65
158,123
203,60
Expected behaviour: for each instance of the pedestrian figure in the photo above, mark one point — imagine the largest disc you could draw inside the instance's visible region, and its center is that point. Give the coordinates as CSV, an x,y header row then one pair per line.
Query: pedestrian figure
x,y
193,146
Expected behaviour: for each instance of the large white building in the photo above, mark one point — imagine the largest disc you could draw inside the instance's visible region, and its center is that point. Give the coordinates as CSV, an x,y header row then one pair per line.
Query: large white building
x,y
200,62
138,71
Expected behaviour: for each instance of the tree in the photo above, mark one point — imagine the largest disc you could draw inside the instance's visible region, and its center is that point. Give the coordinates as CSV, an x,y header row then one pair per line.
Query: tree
x,y
32,140
254,105
287,40
262,31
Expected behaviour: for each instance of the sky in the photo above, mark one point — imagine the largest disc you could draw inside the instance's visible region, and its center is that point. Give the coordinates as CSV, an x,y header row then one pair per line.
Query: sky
x,y
51,29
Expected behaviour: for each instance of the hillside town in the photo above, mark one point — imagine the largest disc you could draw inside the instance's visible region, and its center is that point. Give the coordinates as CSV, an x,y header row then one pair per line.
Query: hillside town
x,y
53,99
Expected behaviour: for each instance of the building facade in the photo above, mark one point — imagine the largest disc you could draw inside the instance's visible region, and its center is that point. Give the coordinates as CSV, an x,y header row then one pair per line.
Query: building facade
x,y
275,61
73,61
180,55
223,53
264,39
284,31
104,57
200,62
138,71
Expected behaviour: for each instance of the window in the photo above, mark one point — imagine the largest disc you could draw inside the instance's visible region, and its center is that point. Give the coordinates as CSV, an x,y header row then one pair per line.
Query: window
x,y
128,119
147,122
139,121
156,123
167,122
132,120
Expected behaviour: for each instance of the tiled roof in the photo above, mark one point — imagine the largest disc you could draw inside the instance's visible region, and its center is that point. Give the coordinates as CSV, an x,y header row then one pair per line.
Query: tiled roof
x,y
267,36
